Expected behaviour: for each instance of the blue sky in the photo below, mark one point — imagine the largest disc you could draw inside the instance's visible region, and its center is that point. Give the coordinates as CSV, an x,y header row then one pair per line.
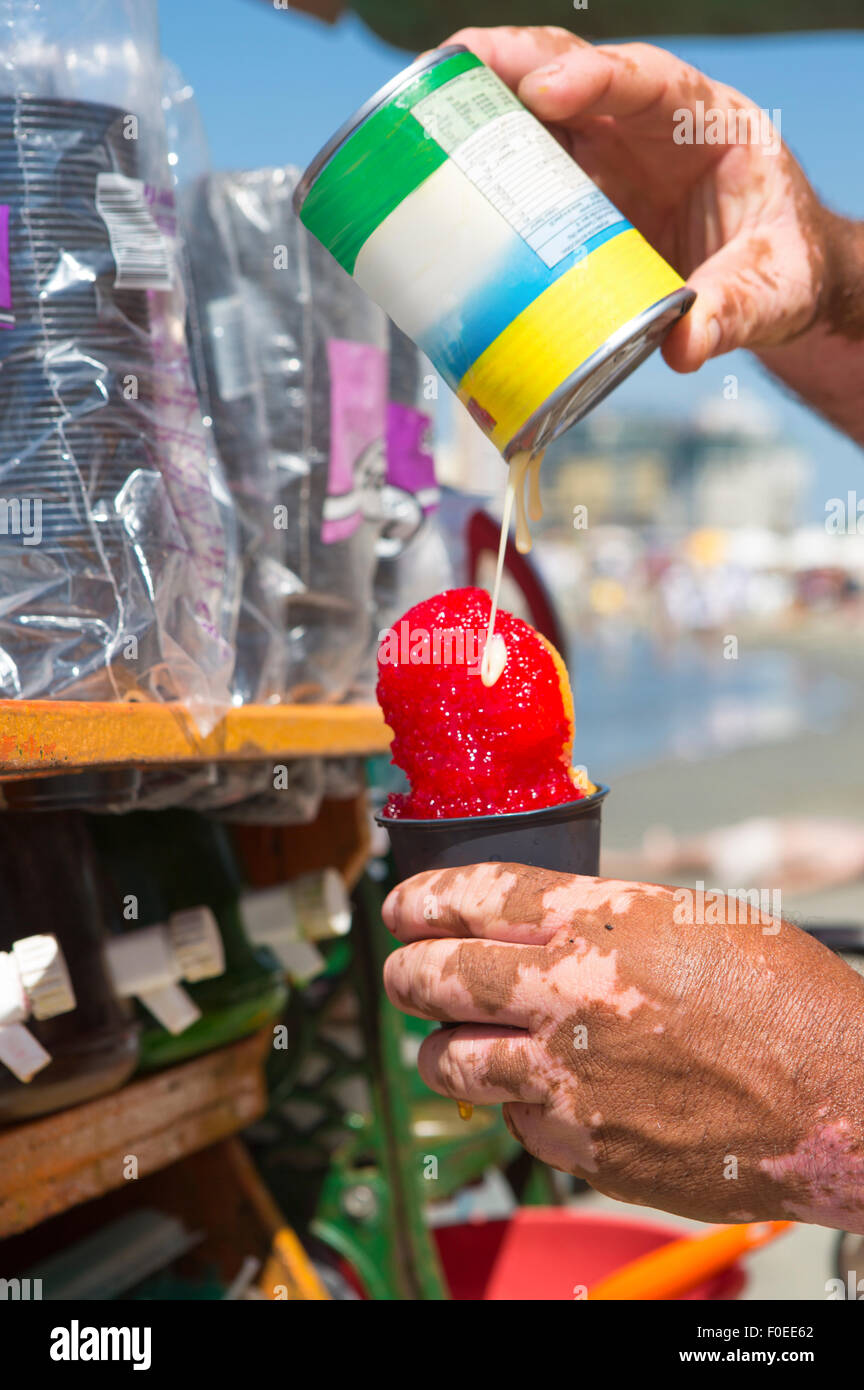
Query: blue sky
x,y
273,85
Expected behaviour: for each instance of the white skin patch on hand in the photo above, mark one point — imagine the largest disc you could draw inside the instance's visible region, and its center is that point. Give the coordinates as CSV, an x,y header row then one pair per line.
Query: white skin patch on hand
x,y
590,976
831,1162
613,896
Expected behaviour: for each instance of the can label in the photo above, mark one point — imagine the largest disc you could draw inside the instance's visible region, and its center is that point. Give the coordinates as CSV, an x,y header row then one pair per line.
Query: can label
x,y
515,163
462,216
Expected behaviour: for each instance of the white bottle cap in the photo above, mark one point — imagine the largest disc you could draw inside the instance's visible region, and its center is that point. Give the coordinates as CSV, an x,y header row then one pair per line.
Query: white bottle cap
x,y
322,905
197,943
148,963
14,1005
33,980
269,918
314,907
44,976
149,958
141,960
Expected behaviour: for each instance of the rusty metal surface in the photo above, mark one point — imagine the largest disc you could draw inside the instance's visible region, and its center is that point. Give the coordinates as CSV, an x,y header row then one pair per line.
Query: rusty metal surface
x,y
49,736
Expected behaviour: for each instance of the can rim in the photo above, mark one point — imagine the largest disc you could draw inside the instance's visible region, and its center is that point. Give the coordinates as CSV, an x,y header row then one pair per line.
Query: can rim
x,y
325,154
561,811
660,316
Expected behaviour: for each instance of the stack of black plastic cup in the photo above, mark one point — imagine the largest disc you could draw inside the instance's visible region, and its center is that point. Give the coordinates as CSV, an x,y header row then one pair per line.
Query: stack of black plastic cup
x,y
75,437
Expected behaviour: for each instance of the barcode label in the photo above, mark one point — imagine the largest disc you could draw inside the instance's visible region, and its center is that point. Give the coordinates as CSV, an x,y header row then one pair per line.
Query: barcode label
x,y
231,349
141,253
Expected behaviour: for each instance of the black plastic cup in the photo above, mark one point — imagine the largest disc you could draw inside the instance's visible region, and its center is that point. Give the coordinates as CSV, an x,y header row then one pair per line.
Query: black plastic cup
x,y
563,838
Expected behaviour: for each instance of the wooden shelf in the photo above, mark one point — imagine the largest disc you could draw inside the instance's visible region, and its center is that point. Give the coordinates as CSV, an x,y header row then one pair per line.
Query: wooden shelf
x,y
67,736
52,1164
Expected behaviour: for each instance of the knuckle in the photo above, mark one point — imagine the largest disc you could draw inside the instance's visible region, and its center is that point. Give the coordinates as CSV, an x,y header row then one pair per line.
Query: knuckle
x,y
411,978
451,1070
426,982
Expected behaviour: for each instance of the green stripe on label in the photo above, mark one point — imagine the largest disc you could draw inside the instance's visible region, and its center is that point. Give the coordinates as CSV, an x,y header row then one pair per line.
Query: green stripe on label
x,y
380,163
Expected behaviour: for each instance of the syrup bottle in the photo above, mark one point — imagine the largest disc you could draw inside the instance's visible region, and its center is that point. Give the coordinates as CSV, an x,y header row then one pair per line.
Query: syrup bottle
x,y
167,863
51,889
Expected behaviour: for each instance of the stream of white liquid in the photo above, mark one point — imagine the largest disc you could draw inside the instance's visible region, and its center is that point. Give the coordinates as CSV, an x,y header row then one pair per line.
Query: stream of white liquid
x,y
523,465
495,652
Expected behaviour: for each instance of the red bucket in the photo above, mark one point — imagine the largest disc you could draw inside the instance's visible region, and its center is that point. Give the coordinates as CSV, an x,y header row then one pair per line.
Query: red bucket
x,y
554,1253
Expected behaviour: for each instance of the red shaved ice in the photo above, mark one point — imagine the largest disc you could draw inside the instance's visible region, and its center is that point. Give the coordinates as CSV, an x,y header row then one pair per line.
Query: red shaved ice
x,y
469,749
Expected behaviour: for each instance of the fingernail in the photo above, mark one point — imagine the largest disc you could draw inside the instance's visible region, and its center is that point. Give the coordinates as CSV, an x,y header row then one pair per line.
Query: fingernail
x,y
713,334
541,77
388,910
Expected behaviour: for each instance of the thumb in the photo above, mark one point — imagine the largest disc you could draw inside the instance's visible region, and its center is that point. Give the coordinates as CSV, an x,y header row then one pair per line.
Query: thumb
x,y
740,302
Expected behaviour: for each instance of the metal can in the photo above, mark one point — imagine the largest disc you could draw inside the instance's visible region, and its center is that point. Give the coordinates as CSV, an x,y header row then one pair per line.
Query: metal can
x,y
463,217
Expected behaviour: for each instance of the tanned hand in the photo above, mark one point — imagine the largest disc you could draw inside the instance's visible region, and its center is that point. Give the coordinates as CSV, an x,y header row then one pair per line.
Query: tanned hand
x,y
774,270
711,1068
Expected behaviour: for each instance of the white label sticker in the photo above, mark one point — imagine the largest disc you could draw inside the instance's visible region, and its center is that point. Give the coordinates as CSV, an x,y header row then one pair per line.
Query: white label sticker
x,y
141,253
232,353
516,164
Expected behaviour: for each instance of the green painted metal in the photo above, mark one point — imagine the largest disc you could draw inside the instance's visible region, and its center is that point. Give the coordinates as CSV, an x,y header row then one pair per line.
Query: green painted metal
x,y
360,1178
426,23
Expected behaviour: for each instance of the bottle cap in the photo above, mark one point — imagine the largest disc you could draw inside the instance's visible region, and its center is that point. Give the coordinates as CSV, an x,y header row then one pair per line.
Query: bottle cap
x,y
197,944
313,907
44,976
269,918
14,1005
322,905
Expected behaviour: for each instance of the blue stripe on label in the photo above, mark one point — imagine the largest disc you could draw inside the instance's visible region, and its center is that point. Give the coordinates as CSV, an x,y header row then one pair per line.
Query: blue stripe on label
x,y
456,341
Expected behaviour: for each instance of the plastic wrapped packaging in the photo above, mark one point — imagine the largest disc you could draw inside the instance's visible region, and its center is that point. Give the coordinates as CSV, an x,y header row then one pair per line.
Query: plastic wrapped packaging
x,y
289,793
299,331
412,559
228,784
115,789
344,778
118,552
232,396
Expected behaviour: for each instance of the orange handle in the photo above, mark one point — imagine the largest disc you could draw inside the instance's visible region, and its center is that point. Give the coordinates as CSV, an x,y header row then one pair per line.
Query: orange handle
x,y
678,1267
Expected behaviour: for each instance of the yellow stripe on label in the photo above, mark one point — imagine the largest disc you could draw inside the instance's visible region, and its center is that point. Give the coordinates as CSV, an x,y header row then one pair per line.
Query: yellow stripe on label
x,y
568,322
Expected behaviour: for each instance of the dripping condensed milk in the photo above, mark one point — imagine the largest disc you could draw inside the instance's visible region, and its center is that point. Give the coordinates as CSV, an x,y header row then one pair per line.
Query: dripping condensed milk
x,y
455,209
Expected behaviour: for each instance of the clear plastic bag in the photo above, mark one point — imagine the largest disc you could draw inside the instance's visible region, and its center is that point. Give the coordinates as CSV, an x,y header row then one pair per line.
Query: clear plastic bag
x,y
344,778
412,559
318,346
231,392
288,793
118,560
